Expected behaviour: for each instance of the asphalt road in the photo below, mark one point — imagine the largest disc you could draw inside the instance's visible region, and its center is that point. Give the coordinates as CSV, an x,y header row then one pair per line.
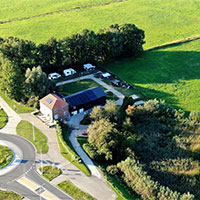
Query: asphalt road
x,y
27,168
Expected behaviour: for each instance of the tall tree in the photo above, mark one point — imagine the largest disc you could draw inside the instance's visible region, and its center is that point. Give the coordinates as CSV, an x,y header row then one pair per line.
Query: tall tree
x,y
11,79
36,82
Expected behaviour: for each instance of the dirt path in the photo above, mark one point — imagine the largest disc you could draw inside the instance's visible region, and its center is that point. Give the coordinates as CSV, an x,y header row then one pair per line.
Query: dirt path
x,y
61,11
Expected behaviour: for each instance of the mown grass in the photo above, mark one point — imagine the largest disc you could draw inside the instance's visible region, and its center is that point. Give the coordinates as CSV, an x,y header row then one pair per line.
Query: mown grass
x,y
9,195
77,86
3,118
6,155
163,21
50,172
67,151
171,74
16,106
25,129
119,188
75,192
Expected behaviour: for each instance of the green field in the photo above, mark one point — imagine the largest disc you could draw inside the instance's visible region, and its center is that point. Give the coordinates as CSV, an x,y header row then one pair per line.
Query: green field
x,y
171,74
163,21
3,118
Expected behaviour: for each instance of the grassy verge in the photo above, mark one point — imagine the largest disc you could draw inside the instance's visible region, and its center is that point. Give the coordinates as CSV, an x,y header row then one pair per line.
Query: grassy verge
x,y
6,156
77,86
75,192
3,118
111,96
16,106
50,172
25,129
119,188
67,149
9,195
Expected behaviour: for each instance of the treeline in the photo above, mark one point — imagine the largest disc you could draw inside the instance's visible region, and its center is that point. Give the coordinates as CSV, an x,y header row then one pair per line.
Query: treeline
x,y
25,65
114,42
149,147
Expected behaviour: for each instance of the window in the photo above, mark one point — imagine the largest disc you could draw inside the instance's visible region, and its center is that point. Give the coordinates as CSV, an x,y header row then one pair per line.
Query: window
x,y
55,110
65,113
63,107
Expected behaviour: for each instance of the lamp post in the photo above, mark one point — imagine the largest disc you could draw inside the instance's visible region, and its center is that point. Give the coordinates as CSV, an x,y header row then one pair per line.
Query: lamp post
x,y
33,132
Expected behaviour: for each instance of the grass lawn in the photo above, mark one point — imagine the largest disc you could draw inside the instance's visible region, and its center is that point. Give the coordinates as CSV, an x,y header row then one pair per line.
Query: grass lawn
x,y
163,21
25,129
17,107
9,195
50,172
6,155
3,118
171,74
77,86
75,192
116,184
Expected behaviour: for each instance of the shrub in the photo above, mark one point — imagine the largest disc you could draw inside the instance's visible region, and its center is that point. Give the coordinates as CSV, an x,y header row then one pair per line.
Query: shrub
x,y
195,116
86,120
112,169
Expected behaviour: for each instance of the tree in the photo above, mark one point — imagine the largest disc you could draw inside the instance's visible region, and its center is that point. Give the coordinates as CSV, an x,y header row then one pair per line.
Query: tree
x,y
11,81
36,82
21,52
105,138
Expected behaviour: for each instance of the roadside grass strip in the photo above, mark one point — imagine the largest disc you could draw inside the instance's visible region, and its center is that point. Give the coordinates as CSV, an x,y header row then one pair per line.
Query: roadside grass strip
x,y
28,183
49,195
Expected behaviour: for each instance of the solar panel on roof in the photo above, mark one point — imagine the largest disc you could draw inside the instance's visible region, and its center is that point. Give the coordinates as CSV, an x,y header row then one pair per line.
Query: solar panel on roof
x,y
48,100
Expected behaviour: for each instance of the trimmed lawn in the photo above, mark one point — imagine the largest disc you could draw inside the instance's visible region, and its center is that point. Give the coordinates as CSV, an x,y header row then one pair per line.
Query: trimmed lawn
x,y
25,129
50,172
17,107
75,192
6,155
171,74
77,86
3,118
9,195
162,21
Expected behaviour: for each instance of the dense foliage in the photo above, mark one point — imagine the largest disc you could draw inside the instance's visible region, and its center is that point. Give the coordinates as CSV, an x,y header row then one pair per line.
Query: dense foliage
x,y
115,42
153,148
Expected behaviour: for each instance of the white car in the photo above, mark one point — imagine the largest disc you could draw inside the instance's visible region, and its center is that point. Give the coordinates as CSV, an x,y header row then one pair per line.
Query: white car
x,y
54,76
88,67
69,72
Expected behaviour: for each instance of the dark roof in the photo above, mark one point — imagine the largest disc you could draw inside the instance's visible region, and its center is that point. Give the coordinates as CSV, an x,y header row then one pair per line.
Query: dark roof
x,y
85,96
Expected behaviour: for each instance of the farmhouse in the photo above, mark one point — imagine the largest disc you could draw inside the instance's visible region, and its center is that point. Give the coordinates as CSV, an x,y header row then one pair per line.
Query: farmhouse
x,y
85,100
53,107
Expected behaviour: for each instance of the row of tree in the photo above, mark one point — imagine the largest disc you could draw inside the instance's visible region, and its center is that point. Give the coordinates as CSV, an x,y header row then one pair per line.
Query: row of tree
x,y
114,42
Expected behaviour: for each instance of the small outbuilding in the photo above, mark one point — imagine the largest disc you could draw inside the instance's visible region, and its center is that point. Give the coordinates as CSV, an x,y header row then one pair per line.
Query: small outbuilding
x,y
106,75
69,72
85,100
88,67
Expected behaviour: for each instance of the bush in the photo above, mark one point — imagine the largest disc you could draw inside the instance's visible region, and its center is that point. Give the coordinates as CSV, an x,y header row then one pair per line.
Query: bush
x,y
195,116
113,170
33,102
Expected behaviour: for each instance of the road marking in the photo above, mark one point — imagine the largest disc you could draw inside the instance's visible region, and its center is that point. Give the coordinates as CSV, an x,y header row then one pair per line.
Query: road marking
x,y
49,196
28,183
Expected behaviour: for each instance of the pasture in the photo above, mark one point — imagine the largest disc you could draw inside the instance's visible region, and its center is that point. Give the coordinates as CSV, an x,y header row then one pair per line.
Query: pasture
x,y
163,21
171,74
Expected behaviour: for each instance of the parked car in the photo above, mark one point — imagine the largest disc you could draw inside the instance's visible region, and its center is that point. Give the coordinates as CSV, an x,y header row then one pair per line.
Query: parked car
x,y
88,67
54,76
85,133
106,75
116,83
69,72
